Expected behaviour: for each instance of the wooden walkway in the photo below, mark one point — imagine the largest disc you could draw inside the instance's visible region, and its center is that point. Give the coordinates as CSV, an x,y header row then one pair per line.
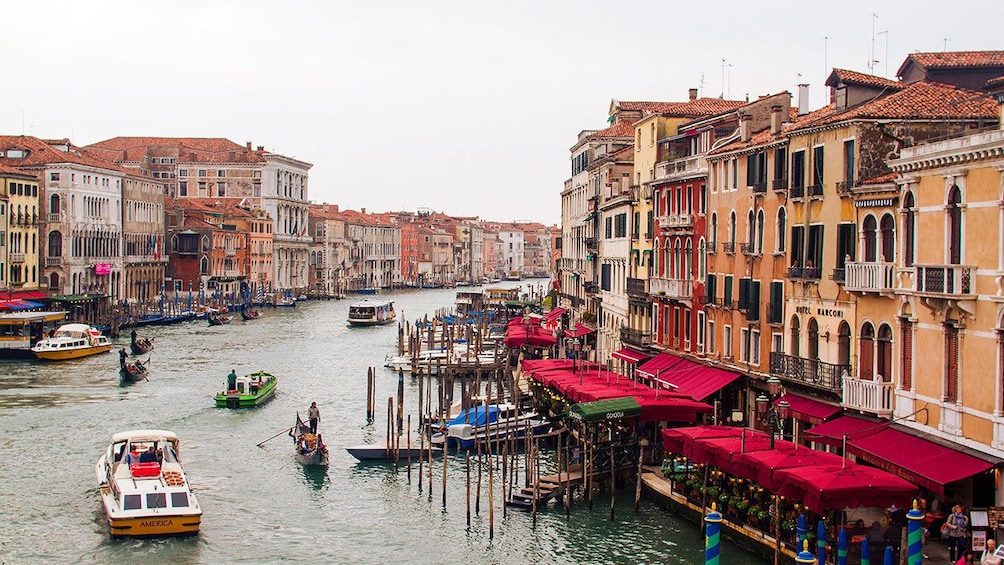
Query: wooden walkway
x,y
545,489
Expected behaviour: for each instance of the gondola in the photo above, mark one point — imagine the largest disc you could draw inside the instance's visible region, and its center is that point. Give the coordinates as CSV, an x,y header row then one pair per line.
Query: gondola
x,y
309,449
140,345
135,371
250,314
219,318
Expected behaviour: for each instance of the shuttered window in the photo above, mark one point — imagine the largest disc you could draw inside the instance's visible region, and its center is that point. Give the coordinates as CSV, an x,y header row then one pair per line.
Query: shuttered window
x,y
776,314
709,287
906,356
951,363
727,296
866,352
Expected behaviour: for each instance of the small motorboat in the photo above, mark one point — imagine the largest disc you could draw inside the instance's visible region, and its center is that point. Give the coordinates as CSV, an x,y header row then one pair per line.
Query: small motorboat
x,y
309,448
72,341
380,452
143,488
489,424
248,391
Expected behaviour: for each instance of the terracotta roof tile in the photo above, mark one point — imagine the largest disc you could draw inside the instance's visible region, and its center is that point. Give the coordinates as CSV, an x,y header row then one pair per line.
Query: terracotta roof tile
x,y
6,170
853,77
994,82
621,129
646,107
190,149
703,107
945,59
881,179
40,153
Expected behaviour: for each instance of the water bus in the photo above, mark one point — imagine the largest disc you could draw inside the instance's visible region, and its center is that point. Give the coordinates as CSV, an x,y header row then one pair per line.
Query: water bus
x,y
20,331
371,312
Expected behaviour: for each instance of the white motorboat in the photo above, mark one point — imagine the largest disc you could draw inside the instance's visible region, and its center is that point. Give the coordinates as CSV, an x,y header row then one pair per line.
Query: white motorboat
x,y
489,424
426,360
72,341
143,488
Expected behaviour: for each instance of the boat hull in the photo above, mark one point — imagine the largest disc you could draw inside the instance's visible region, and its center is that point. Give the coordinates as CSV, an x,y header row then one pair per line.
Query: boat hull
x,y
235,400
156,525
362,323
381,453
76,353
316,458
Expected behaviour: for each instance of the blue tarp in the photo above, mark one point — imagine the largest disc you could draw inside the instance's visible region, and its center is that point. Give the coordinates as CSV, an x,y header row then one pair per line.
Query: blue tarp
x,y
476,416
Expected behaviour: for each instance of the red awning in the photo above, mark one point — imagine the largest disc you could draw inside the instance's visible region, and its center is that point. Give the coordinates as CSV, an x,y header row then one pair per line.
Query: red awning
x,y
29,295
630,355
681,440
579,331
761,465
807,409
832,487
697,381
901,451
553,314
658,364
723,452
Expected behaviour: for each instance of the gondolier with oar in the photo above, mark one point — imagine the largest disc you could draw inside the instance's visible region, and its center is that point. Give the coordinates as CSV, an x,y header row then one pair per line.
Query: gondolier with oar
x,y
314,414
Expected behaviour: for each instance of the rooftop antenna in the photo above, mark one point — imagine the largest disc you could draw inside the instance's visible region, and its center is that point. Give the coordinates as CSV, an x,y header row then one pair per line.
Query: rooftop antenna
x,y
701,83
722,95
729,95
871,60
946,40
826,56
885,73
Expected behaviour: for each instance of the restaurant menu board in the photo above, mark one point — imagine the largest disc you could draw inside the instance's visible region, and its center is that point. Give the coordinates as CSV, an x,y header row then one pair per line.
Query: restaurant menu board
x,y
979,518
995,517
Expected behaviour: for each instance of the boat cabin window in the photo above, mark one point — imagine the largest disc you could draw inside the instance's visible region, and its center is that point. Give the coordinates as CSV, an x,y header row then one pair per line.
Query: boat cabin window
x,y
156,500
179,499
361,311
132,502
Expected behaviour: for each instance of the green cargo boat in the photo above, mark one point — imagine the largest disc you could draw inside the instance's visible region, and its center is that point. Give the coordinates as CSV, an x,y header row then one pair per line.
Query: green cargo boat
x,y
248,391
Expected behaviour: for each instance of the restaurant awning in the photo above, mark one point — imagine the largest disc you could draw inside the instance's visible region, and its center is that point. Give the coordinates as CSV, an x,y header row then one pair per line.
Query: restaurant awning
x,y
762,464
723,452
680,440
578,331
554,314
656,365
630,355
29,295
807,409
832,487
609,409
698,381
901,451
18,305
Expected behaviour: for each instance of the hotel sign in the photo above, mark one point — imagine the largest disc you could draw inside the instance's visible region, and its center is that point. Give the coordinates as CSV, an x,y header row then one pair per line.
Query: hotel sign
x,y
831,312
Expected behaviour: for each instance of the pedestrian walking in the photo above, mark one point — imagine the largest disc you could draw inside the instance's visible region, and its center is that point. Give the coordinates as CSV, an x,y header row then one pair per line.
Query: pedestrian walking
x,y
958,525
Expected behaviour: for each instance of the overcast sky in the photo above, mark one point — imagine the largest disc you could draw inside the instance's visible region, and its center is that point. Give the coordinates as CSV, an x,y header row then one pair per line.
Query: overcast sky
x,y
464,107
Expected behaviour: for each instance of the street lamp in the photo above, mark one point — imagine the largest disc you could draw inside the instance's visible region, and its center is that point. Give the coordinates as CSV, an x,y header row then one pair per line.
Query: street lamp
x,y
773,413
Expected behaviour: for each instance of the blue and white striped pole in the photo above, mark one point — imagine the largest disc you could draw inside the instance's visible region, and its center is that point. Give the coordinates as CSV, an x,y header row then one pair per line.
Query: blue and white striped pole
x,y
713,539
914,536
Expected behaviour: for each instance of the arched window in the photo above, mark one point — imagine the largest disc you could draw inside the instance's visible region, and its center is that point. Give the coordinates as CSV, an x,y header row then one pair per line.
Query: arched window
x,y
732,227
781,228
714,228
866,351
54,282
204,266
688,260
205,243
174,243
55,244
676,261
954,225
750,229
869,236
702,259
888,237
813,339
883,354
759,232
796,337
909,228
844,344
54,204
668,260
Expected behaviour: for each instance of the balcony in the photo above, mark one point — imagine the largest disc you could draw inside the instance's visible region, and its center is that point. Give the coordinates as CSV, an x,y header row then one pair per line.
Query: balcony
x,y
810,372
712,247
676,221
759,187
637,287
54,217
815,190
230,253
804,273
779,184
839,275
17,258
845,187
870,277
637,338
729,247
875,397
53,261
944,280
676,289
591,243
590,287
749,250
797,192
681,168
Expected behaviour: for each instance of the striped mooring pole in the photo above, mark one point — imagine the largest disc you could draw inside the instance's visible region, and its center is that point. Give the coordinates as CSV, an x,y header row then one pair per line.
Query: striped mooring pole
x,y
713,539
914,536
842,547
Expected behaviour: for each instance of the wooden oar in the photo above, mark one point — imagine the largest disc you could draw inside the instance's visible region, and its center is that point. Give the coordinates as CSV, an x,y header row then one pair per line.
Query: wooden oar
x,y
286,431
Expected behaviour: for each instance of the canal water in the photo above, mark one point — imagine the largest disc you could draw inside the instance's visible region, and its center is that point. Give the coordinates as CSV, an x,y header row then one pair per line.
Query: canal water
x,y
259,506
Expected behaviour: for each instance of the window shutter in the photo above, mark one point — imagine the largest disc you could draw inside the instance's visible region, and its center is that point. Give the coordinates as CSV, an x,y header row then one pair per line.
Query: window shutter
x,y
906,356
952,363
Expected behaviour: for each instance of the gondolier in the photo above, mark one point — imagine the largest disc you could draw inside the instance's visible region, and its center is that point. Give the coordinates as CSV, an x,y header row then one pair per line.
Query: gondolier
x,y
122,357
314,414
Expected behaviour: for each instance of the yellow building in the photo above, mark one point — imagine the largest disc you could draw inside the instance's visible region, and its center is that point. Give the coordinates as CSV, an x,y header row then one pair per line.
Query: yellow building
x,y
19,251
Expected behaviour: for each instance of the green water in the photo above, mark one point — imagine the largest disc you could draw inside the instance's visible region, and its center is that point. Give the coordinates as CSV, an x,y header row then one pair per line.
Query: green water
x,y
259,505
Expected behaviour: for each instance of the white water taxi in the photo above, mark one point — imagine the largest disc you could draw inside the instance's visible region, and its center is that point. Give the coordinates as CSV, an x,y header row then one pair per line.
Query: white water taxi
x,y
144,489
72,341
371,312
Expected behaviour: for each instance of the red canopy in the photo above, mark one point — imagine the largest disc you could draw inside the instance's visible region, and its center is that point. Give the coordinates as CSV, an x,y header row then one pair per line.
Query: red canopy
x,y
680,440
761,465
831,487
720,451
518,334
578,331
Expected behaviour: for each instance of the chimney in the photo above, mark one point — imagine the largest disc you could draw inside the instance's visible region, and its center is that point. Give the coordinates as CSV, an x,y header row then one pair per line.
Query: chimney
x,y
693,94
775,119
248,146
744,127
362,210
803,99
261,148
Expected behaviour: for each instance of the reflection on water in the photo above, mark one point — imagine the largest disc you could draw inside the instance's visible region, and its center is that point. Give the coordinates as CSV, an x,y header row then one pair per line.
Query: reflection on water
x,y
258,504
